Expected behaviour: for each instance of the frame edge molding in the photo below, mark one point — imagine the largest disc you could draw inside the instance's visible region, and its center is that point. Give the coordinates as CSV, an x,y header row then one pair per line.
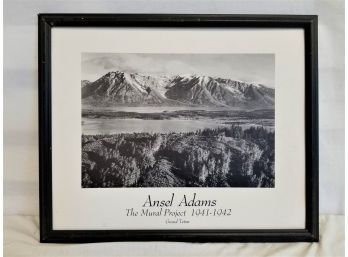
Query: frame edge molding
x,y
310,25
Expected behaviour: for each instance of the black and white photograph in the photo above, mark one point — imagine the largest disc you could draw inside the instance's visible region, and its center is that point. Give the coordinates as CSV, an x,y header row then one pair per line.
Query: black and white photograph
x,y
177,120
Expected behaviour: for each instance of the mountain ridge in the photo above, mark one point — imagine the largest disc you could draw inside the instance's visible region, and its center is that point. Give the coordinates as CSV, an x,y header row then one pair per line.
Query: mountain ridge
x,y
122,88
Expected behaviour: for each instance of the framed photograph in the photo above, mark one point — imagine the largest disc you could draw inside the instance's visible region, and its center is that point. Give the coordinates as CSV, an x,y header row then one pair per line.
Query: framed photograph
x,y
200,128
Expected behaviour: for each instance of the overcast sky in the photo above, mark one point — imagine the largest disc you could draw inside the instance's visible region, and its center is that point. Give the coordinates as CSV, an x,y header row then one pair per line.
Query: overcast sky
x,y
257,68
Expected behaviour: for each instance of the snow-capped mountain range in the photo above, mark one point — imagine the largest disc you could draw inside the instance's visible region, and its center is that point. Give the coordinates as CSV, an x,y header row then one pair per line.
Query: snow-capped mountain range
x,y
121,88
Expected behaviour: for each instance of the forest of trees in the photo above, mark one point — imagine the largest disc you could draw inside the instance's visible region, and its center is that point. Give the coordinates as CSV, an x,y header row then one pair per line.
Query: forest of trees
x,y
223,157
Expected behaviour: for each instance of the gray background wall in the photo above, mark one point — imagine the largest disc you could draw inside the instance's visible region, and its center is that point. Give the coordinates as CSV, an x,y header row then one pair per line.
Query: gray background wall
x,y
20,84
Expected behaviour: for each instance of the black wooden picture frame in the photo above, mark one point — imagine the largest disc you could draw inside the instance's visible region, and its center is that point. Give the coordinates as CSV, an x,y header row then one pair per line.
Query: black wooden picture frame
x,y
308,23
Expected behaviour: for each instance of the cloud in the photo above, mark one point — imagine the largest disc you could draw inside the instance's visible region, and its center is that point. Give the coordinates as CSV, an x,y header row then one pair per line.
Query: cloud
x,y
247,67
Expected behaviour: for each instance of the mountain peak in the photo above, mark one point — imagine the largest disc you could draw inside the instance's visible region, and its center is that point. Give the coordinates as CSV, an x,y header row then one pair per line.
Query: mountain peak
x,y
119,87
